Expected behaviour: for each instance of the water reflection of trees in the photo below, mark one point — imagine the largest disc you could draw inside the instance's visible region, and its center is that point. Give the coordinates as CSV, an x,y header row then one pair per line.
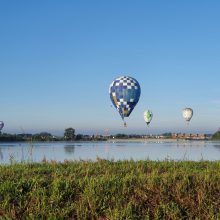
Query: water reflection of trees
x,y
69,149
217,146
1,154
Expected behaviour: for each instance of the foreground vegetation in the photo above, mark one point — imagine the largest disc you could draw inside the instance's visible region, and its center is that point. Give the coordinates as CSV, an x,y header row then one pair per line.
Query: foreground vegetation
x,y
110,190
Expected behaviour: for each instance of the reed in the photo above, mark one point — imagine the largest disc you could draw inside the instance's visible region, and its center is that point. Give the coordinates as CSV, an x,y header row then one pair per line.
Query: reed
x,y
110,190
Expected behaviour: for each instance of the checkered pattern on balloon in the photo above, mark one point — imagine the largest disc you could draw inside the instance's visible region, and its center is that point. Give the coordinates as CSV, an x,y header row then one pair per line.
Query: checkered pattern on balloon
x,y
124,93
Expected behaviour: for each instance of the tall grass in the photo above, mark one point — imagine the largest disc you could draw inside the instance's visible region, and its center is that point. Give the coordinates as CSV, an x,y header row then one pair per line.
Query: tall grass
x,y
110,190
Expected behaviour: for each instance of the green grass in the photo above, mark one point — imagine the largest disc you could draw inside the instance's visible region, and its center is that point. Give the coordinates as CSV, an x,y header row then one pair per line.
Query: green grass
x,y
110,190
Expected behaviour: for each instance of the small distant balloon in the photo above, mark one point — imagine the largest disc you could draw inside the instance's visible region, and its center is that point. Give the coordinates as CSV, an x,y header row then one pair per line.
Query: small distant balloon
x,y
124,93
148,115
1,125
187,114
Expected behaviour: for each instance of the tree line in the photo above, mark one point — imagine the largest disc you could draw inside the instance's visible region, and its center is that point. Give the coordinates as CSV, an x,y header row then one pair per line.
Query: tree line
x,y
69,135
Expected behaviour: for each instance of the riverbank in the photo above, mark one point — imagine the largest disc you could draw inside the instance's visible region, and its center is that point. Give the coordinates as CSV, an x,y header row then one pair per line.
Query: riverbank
x,y
110,190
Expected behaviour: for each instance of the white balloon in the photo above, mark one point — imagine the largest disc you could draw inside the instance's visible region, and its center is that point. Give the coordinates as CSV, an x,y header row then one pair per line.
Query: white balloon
x,y
187,114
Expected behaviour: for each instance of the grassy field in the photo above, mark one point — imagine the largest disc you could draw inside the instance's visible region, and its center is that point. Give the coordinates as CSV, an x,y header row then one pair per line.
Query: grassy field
x,y
110,190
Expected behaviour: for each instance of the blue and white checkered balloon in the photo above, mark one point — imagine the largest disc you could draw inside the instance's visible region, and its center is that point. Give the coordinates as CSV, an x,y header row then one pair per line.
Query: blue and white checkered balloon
x,y
124,93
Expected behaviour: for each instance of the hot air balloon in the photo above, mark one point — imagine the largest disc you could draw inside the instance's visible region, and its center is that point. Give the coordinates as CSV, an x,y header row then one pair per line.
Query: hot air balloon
x,y
187,114
1,125
148,115
124,93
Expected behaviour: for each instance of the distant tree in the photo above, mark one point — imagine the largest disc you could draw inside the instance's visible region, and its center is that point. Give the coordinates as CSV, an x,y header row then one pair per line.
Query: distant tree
x,y
216,136
121,136
43,136
79,137
167,134
69,134
10,137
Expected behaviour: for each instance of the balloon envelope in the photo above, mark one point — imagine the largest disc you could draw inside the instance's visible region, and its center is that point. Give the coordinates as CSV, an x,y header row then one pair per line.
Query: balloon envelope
x,y
148,115
124,93
187,114
1,125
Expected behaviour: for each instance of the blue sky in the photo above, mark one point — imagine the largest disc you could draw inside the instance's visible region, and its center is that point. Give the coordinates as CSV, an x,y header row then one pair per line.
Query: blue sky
x,y
57,59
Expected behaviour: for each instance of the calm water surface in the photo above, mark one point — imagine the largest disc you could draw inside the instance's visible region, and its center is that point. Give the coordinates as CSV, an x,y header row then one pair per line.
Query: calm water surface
x,y
119,150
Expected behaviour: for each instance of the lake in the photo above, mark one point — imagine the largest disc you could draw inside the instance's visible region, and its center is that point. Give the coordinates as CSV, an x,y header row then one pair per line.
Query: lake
x,y
116,150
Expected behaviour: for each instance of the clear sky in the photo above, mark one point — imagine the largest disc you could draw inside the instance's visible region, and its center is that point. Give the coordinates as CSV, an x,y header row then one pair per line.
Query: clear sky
x,y
58,58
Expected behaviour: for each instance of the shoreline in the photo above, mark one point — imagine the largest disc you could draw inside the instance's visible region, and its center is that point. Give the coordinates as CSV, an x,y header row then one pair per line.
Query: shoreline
x,y
113,140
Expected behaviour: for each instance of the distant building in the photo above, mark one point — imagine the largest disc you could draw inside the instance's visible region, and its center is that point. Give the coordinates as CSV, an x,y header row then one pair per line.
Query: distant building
x,y
189,136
